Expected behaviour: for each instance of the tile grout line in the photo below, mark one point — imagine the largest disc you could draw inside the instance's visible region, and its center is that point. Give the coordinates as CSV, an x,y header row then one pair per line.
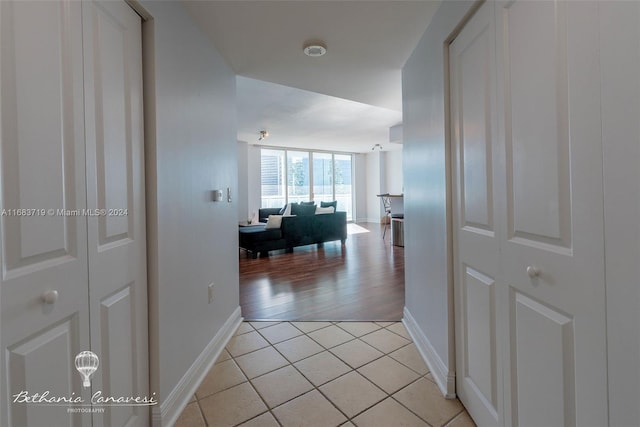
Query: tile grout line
x,y
387,395
328,350
269,409
454,417
352,369
405,406
317,387
314,387
206,423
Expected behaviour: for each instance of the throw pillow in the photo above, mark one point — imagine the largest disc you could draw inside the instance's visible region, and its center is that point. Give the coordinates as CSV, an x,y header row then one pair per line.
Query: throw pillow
x,y
308,203
303,210
327,210
274,221
287,210
327,204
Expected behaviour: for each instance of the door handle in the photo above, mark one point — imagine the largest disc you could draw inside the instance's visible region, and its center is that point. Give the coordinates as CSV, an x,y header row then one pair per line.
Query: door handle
x,y
50,296
533,271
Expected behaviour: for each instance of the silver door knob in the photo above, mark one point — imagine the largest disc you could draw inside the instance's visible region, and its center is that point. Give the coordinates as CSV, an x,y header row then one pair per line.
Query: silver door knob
x,y
50,296
533,272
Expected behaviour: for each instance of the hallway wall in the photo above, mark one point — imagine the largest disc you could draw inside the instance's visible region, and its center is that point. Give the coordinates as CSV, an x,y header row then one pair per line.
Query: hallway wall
x,y
189,235
425,161
425,170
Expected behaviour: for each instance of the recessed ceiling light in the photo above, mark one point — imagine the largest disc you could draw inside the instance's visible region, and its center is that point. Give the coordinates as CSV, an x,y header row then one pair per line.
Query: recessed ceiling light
x,y
315,49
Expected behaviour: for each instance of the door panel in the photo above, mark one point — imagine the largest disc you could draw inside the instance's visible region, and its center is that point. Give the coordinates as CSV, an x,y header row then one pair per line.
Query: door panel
x,y
481,358
43,362
475,130
552,370
553,251
112,124
476,249
40,238
117,314
117,260
42,151
536,109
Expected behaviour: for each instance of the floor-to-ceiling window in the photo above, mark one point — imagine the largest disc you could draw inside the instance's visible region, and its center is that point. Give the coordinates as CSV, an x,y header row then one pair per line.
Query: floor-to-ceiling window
x,y
343,191
323,177
298,176
273,178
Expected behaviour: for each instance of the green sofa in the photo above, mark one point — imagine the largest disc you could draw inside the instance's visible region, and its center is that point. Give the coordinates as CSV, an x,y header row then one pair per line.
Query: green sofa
x,y
299,230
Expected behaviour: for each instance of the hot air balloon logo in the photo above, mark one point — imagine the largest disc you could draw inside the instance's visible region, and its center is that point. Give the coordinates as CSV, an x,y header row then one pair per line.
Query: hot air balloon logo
x,y
87,363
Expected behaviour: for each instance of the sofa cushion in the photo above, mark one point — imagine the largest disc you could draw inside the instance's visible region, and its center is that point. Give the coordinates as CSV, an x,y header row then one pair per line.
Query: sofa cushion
x,y
286,210
328,204
327,210
263,213
274,221
259,234
303,210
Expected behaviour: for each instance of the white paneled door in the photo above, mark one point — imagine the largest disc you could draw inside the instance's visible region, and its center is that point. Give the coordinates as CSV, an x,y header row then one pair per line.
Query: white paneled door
x,y
44,253
553,246
115,178
527,172
71,141
476,233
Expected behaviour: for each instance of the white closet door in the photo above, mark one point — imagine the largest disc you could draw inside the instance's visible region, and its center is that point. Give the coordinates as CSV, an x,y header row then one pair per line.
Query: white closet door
x,y
115,178
476,234
43,158
553,249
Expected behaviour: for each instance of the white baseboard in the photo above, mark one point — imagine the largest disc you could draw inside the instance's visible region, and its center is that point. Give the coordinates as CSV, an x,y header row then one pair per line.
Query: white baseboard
x,y
374,220
167,413
445,379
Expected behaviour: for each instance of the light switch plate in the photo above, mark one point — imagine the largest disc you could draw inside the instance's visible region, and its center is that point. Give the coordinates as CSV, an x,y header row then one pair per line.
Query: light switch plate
x,y
211,288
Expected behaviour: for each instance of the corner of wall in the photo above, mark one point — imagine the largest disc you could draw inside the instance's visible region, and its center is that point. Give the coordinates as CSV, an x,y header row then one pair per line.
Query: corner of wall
x,y
170,409
444,377
428,287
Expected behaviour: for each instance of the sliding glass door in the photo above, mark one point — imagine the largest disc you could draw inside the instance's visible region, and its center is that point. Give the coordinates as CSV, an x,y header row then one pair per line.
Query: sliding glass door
x,y
300,176
343,192
273,178
322,177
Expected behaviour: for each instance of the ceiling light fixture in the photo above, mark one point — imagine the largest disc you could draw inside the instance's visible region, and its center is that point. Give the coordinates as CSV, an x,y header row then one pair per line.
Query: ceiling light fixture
x,y
376,146
315,49
263,134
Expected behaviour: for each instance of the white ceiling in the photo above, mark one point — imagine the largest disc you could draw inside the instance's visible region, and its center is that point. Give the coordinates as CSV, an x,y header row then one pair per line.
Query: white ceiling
x,y
368,42
303,119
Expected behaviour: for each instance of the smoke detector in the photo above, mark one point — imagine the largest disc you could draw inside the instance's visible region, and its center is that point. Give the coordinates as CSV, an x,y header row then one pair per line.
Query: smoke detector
x,y
315,49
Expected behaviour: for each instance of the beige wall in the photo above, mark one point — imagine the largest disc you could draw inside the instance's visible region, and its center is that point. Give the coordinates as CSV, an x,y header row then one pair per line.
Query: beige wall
x,y
192,241
425,190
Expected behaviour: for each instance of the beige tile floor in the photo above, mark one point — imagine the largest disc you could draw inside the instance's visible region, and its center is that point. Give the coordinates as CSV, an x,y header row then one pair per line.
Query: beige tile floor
x,y
317,374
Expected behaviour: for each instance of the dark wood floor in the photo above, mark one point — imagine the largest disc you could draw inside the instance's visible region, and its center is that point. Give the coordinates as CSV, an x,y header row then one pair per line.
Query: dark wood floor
x,y
364,280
